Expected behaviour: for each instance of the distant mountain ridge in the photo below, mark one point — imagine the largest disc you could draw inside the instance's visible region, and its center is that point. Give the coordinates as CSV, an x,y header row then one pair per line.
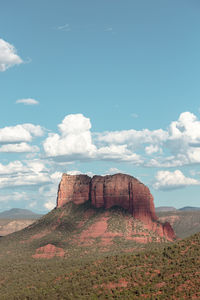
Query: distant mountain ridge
x,y
165,208
172,208
186,208
19,213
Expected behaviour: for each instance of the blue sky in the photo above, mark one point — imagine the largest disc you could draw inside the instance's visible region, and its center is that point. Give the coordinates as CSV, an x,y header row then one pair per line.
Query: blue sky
x,y
99,87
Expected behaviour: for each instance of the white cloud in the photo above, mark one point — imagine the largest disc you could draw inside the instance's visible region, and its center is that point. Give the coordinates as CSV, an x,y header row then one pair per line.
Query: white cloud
x,y
75,140
73,172
30,179
49,192
112,171
36,166
13,196
18,148
77,172
134,115
65,27
49,204
35,130
28,101
176,146
28,174
187,126
20,133
166,180
134,138
56,177
8,56
118,153
12,168
152,149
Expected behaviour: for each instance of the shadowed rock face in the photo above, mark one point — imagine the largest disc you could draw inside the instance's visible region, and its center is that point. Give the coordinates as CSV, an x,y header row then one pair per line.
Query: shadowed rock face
x,y
124,191
113,190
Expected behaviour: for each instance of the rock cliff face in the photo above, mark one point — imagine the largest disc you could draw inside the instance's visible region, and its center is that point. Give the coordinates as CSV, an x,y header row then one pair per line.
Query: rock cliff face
x,y
123,191
113,190
75,188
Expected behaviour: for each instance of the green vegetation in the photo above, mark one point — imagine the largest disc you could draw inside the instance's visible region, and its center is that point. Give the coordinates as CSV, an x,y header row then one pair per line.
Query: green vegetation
x,y
122,269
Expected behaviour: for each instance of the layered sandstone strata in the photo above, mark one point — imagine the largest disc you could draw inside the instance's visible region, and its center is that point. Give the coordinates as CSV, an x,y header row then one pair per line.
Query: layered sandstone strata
x,y
75,188
113,190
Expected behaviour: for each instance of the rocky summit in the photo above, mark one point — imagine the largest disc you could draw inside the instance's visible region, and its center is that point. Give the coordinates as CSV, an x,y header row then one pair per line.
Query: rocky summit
x,y
109,191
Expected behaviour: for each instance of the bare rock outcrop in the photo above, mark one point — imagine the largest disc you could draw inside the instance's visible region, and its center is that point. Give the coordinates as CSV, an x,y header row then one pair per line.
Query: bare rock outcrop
x,y
124,191
48,251
75,188
113,190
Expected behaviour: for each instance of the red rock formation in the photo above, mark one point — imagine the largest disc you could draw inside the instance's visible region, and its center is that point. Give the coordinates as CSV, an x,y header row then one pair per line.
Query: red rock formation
x,y
75,188
113,190
168,230
124,191
48,251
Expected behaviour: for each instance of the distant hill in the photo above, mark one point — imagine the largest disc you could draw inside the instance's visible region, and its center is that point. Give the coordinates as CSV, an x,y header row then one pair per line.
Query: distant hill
x,y
184,222
19,213
165,208
188,208
172,208
8,226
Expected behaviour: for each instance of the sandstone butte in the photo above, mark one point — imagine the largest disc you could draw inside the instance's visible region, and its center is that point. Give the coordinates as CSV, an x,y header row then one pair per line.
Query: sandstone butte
x,y
114,190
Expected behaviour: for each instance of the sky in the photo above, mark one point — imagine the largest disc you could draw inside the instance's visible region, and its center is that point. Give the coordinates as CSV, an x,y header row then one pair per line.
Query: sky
x,y
99,87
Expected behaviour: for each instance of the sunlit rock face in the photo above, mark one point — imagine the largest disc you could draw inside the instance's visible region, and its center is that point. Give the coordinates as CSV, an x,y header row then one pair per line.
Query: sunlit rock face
x,y
113,190
75,188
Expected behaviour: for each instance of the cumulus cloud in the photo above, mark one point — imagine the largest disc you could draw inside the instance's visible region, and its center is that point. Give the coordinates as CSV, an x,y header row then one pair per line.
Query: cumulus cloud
x,y
18,148
166,180
176,146
74,141
20,133
8,56
28,101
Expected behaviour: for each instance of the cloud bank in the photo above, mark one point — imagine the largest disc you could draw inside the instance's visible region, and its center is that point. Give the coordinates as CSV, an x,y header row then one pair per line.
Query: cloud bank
x,y
176,146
